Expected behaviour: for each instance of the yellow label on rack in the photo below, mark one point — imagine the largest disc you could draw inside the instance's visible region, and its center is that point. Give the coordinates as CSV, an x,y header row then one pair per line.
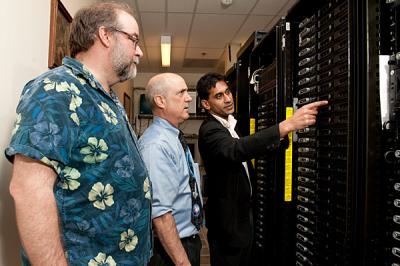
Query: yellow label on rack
x,y
252,126
252,131
288,161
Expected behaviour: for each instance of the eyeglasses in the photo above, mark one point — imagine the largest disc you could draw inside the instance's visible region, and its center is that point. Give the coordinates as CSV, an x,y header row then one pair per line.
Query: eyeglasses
x,y
132,38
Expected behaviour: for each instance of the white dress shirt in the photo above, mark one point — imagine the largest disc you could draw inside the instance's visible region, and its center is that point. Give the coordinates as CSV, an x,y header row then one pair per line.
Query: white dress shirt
x,y
230,125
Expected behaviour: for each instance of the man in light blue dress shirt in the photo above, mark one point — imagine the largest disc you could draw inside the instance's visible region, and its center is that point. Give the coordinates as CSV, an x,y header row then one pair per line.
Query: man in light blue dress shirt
x,y
170,167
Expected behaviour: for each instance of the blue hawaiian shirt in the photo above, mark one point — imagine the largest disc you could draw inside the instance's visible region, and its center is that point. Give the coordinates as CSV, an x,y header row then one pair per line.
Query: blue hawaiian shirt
x,y
66,120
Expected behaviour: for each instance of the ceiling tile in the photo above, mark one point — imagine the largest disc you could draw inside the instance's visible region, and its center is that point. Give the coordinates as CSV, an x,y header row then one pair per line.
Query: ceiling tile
x,y
151,6
209,31
181,6
178,26
153,55
287,7
144,61
153,25
177,56
130,3
214,31
272,23
143,64
253,23
209,53
272,7
215,7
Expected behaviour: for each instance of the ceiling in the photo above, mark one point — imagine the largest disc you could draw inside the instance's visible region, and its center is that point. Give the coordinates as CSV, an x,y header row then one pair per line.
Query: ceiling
x,y
200,30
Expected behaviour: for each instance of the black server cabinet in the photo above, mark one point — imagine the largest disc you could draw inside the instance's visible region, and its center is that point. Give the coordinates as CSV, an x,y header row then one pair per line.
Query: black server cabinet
x,y
273,215
324,192
243,94
336,218
231,79
390,45
330,52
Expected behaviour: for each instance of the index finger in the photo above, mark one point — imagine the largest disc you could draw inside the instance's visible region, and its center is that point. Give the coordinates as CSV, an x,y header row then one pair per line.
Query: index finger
x,y
316,104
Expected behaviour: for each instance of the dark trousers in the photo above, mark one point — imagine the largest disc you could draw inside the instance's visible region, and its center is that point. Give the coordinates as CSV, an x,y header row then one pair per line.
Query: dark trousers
x,y
221,254
192,246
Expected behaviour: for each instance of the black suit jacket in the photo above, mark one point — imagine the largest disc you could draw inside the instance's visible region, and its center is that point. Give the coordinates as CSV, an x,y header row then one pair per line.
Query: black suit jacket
x,y
227,210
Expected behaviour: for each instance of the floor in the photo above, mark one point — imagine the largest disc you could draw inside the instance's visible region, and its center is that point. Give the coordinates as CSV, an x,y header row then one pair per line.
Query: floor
x,y
205,252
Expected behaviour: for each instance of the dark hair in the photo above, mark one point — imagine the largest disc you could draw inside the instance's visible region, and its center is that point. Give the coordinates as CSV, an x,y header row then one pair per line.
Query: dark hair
x,y
88,20
206,83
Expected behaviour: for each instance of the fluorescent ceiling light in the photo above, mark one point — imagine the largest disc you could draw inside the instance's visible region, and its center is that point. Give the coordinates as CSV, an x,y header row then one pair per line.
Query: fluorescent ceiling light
x,y
226,2
165,50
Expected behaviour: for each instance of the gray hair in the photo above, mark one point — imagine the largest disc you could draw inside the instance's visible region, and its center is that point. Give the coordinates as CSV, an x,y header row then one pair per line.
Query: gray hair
x,y
89,19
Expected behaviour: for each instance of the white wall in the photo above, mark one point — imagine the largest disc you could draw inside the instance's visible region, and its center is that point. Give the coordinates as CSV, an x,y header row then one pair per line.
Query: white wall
x,y
24,54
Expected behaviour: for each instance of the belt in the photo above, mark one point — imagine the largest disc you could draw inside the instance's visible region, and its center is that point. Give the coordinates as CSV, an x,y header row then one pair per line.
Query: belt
x,y
189,238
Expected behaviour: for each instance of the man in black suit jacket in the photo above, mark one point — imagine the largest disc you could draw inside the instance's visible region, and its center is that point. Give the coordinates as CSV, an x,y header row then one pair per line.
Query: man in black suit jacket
x,y
226,160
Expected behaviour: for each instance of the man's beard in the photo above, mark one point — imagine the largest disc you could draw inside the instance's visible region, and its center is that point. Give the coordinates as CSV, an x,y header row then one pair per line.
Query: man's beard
x,y
124,67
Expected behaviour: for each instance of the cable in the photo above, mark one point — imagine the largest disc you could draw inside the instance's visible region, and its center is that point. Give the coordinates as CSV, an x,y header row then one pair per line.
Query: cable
x,y
255,79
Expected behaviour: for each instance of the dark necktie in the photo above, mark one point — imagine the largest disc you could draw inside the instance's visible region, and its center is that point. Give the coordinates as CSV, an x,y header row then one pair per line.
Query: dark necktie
x,y
197,208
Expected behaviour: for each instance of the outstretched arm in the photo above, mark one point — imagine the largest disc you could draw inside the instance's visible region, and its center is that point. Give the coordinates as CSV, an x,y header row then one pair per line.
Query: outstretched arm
x,y
303,117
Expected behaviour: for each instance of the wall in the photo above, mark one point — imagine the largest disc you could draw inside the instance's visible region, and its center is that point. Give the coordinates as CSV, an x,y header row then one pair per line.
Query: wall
x,y
230,57
24,54
142,79
190,127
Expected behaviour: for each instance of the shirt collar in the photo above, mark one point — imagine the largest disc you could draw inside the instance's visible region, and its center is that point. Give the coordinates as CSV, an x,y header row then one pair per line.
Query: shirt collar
x,y
79,70
229,124
165,124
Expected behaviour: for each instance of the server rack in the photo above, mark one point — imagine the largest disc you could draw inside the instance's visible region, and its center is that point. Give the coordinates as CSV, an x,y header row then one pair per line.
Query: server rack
x,y
390,39
273,215
266,203
334,217
231,80
324,192
244,94
265,198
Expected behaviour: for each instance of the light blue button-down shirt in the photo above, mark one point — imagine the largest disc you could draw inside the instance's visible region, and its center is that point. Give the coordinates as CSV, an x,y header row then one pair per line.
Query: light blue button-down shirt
x,y
169,173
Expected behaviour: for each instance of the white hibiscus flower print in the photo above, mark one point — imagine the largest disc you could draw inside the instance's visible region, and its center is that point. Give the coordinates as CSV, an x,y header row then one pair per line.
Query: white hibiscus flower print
x,y
128,240
101,195
71,175
102,259
54,164
76,101
96,151
75,118
146,188
108,113
51,85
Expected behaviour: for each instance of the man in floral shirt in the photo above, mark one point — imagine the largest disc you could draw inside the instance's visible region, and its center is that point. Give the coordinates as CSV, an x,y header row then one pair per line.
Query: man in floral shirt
x,y
80,187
